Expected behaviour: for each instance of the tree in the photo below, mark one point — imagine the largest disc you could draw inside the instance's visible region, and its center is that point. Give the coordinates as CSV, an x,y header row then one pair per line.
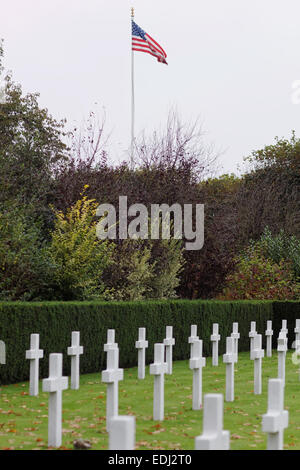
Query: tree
x,y
270,193
31,147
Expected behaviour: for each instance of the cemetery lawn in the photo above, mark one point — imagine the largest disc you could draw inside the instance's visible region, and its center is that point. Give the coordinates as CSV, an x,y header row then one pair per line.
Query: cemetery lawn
x,y
23,419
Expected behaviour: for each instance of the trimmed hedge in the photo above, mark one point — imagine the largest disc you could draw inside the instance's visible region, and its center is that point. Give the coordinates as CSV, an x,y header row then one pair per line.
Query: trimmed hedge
x,y
55,321
287,310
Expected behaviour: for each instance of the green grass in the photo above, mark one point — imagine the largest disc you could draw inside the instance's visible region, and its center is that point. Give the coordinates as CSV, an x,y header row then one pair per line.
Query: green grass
x,y
23,419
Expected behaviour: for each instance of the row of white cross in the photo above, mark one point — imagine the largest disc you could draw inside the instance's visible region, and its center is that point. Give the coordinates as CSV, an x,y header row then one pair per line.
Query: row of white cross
x,y
213,437
34,354
122,428
162,365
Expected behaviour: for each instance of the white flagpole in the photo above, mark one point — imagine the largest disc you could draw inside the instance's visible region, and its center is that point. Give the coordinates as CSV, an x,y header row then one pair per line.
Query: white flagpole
x,y
132,101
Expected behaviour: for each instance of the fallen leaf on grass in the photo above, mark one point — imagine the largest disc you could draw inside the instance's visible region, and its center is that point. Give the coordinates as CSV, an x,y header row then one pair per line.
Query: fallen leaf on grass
x,y
142,444
158,431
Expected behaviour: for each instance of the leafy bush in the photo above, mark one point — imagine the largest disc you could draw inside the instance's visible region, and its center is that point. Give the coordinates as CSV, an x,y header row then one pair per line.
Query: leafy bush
x,y
130,272
25,268
258,277
78,255
145,269
282,247
167,265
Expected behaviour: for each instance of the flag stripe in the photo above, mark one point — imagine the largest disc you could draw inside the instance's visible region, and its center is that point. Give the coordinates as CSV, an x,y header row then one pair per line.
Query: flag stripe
x,y
157,45
140,42
148,52
152,43
146,45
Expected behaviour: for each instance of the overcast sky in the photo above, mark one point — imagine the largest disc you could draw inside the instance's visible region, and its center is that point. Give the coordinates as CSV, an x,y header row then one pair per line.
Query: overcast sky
x,y
232,64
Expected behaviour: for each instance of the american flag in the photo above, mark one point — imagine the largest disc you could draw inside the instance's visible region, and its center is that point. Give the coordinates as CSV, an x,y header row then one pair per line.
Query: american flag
x,y
142,42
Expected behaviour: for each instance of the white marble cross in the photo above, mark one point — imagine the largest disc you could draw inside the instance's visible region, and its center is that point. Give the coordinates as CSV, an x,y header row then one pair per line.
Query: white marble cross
x,y
193,336
213,437
215,338
34,354
229,360
236,336
75,350
111,376
169,342
197,362
141,345
281,350
256,355
158,369
2,353
110,344
252,333
269,334
122,433
276,419
54,385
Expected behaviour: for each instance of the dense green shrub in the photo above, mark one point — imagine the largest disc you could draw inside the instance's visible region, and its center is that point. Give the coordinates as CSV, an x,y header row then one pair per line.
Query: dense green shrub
x,y
266,270
145,269
55,321
25,268
78,255
282,247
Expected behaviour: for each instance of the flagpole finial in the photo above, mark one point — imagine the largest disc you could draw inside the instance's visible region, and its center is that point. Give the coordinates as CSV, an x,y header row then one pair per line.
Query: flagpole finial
x,y
132,12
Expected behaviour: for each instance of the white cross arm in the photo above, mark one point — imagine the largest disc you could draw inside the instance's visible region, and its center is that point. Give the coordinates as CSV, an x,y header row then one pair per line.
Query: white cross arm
x,y
215,337
141,344
273,421
111,375
197,362
109,346
53,384
269,332
34,354
192,339
257,354
169,341
228,358
75,350
235,335
158,368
